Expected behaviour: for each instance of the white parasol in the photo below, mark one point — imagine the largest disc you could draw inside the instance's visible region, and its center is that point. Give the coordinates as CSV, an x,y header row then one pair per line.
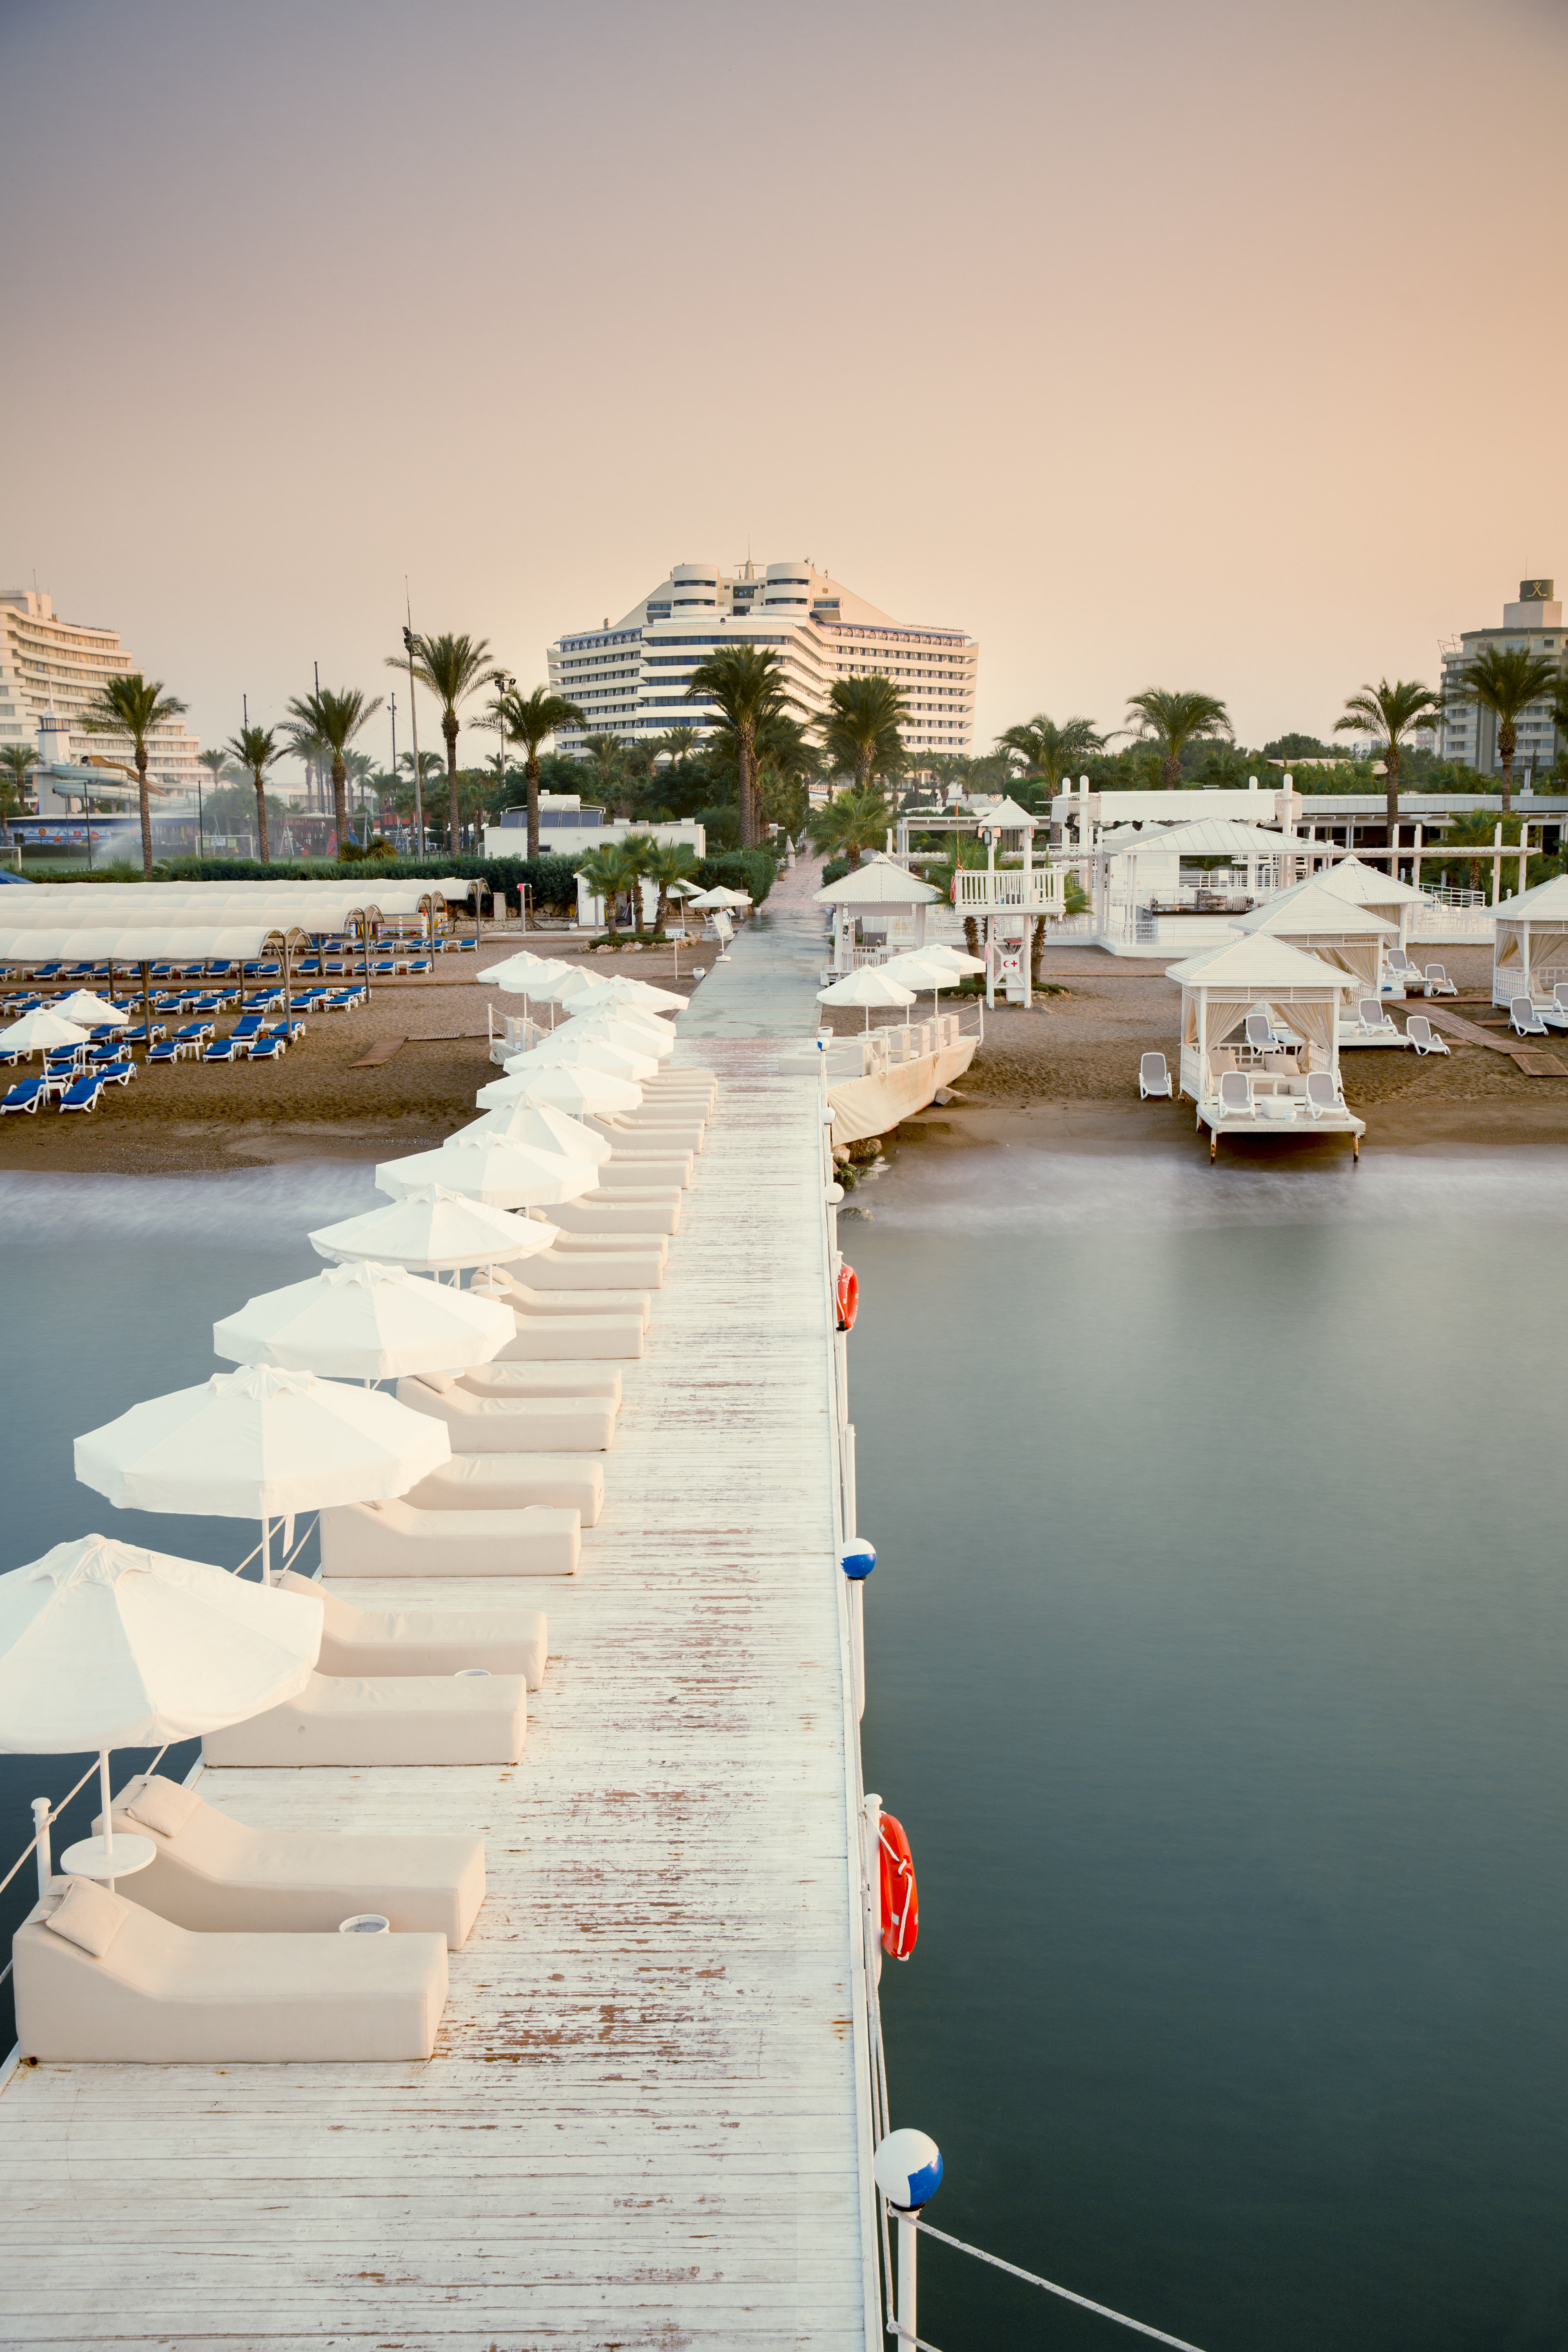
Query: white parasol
x,y
544,1129
434,1231
91,1011
565,1086
487,1168
40,1027
103,1646
637,1033
870,986
621,989
366,1321
592,1053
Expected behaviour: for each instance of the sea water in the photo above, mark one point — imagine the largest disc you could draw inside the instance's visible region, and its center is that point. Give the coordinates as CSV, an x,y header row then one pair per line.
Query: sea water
x,y
1217,1656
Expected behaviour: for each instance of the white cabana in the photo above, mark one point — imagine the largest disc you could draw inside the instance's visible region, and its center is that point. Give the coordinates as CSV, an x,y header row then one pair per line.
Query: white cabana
x,y
366,1321
432,1230
879,910
1379,893
1531,956
1265,1090
1325,924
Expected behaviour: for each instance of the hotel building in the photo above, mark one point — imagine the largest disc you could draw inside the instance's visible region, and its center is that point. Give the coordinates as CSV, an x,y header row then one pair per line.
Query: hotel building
x,y
50,670
630,677
1469,733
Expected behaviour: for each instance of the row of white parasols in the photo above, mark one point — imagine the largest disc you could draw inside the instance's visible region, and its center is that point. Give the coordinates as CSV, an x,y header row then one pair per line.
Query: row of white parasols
x,y
897,981
106,1645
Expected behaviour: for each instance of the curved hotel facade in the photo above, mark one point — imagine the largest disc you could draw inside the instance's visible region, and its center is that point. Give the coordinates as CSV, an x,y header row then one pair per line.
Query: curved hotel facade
x,y
630,678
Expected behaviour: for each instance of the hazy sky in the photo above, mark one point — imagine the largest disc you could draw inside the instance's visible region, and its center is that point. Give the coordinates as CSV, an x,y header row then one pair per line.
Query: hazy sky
x,y
1184,343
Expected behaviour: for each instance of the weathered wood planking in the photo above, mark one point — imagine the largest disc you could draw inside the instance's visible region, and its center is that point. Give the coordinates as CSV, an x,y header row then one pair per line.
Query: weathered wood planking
x,y
640,2126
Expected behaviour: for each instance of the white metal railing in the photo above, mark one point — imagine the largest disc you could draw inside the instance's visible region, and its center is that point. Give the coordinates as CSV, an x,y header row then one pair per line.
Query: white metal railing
x,y
1439,895
990,890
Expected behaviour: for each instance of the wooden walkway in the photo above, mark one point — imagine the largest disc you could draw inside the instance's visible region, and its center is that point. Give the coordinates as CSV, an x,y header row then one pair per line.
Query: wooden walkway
x,y
1534,1064
645,2122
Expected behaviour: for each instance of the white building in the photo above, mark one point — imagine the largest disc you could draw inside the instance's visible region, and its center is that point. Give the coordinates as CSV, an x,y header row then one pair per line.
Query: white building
x,y
50,669
630,678
567,829
1470,734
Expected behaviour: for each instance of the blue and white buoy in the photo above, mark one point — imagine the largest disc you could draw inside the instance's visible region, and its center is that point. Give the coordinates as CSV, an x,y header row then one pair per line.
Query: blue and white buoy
x,y
858,1558
908,2169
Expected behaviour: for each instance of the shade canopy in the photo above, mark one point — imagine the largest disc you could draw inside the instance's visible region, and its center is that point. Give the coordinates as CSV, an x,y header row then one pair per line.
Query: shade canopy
x,y
366,1321
871,984
1204,836
638,1033
487,1168
1366,886
104,1645
252,1444
718,896
565,1085
877,883
91,1011
917,968
620,989
524,1121
41,1027
434,1230
592,1053
527,975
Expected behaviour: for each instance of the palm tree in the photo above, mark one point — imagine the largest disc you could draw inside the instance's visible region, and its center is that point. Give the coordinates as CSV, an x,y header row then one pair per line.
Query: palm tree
x,y
216,763
451,666
676,745
256,749
607,759
15,758
1171,721
746,686
1051,750
608,871
667,862
334,719
851,823
1388,714
861,730
531,719
133,706
1505,679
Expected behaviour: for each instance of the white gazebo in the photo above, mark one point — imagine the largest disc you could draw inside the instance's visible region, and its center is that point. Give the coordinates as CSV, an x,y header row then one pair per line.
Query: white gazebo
x,y
1531,957
1288,1085
1378,893
1325,924
879,910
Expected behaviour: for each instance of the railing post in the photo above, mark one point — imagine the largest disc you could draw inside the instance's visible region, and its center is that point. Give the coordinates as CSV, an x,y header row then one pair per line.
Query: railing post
x,y
42,1816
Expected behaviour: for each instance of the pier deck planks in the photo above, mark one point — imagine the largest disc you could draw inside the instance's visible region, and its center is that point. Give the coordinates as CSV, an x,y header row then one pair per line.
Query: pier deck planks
x,y
639,2127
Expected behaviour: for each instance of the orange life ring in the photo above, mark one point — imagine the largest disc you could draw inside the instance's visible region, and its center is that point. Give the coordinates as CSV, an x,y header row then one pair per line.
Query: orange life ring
x,y
848,1298
900,1898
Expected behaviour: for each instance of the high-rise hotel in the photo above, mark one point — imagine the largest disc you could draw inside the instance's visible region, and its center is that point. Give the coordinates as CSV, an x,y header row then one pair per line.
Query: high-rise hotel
x,y
629,678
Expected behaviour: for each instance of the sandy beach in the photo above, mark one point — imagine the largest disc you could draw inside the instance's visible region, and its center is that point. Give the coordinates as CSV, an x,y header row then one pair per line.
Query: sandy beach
x,y
1063,1074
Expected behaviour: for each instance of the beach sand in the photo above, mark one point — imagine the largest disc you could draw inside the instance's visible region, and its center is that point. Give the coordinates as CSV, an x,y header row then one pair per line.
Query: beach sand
x,y
1064,1075
312,1104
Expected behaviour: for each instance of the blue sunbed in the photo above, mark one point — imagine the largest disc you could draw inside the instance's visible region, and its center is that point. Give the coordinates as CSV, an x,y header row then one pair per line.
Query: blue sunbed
x,y
268,1049
26,1094
83,1093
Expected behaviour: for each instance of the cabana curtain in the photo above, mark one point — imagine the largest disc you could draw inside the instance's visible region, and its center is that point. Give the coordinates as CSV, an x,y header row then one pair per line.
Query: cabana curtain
x,y
1225,1013
1358,957
1313,1020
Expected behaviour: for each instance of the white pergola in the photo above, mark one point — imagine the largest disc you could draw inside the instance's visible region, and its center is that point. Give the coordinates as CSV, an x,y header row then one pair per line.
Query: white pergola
x,y
886,903
1324,924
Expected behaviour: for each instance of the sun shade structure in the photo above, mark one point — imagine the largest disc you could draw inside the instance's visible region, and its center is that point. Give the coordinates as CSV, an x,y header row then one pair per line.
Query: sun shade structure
x,y
592,1053
507,1175
366,1321
527,975
1324,924
868,986
37,1029
535,1124
103,1646
434,1231
718,896
91,1011
639,994
637,1033
1531,957
1204,836
565,1086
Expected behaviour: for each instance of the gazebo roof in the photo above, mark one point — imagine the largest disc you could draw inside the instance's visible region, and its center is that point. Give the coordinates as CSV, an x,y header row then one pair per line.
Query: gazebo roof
x,y
1548,902
877,883
1004,814
1307,909
1365,885
1204,836
1258,963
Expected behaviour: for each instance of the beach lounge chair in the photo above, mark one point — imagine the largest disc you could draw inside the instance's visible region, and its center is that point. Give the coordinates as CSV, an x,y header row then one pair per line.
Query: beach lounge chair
x,y
215,1875
115,1074
25,1094
1236,1094
1423,1036
138,1037
289,1031
173,1049
1257,1031
1323,1093
266,1049
1154,1077
82,1093
499,1425
640,1214
566,1296
136,1989
357,1641
9,1060
1401,968
574,1338
509,1483
1524,1020
194,1032
251,1027
583,1379
221,1049
386,1719
1560,1002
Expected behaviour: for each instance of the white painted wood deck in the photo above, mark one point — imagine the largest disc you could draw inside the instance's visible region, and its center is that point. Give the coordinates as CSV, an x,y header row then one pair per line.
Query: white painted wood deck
x,y
643,2124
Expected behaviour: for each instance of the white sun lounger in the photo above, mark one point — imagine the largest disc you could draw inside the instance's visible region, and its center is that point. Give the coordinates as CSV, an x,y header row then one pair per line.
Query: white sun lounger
x,y
1259,1033
634,1170
569,1248
357,1641
1236,1094
1154,1077
1423,1036
507,1482
160,1995
632,1270
586,1379
216,1875
1524,1020
1324,1095
568,1339
493,1426
570,1300
647,1212
403,1538
387,1720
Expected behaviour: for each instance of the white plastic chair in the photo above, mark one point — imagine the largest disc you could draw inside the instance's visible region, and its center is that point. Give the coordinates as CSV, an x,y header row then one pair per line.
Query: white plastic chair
x,y
1403,970
1153,1077
1423,1036
1374,1014
1323,1093
1236,1094
1437,982
1524,1020
1259,1034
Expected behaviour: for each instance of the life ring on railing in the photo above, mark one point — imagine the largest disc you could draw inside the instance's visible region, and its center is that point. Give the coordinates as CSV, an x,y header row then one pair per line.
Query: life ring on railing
x,y
848,1298
900,1897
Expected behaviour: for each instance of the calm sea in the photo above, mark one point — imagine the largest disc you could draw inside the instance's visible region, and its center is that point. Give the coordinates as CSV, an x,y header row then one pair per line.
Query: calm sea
x,y
1218,1671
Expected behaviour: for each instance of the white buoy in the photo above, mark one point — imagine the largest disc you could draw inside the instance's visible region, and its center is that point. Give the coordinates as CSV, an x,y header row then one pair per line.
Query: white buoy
x,y
907,2168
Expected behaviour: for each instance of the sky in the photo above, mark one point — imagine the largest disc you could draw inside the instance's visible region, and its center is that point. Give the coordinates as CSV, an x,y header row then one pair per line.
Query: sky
x,y
1196,343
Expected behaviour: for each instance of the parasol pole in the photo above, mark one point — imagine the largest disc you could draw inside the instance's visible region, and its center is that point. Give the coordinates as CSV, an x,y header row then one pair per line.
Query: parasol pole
x,y
108,1822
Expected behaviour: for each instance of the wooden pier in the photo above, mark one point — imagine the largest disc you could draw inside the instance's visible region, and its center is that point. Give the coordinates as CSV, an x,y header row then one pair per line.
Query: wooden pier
x,y
645,2123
